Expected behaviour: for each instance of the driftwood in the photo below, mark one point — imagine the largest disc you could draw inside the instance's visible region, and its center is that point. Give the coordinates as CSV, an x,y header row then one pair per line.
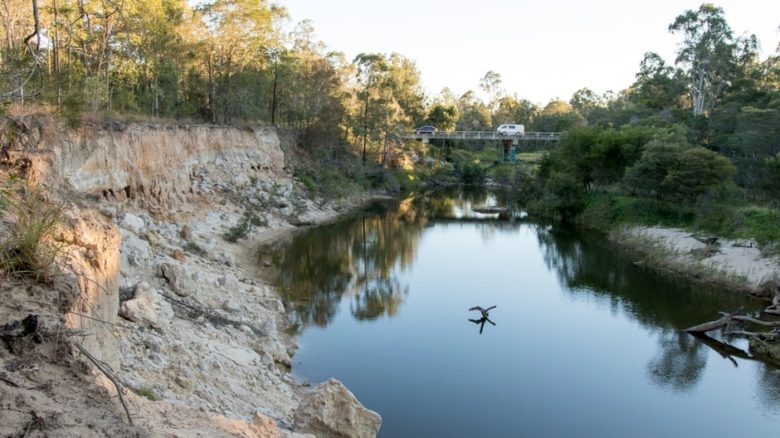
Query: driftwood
x,y
774,308
726,321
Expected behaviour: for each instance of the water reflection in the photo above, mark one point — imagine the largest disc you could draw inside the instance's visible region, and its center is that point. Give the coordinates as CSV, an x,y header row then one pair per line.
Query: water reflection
x,y
367,267
679,361
355,259
481,322
361,258
586,266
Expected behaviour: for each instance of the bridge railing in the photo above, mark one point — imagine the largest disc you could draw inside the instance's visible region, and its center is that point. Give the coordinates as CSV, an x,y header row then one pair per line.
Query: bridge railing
x,y
486,135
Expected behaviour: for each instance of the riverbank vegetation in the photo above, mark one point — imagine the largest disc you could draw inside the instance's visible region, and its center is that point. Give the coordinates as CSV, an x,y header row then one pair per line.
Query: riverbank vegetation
x,y
693,142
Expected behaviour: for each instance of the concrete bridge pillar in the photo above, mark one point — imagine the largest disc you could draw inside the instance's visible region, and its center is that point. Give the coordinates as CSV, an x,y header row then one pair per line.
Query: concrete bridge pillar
x,y
508,149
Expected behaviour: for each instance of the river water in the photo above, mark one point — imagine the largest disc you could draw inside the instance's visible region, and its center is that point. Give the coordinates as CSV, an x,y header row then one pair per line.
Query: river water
x,y
582,342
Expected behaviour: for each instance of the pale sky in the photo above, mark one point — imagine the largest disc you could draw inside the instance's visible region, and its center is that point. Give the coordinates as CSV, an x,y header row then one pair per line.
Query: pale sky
x,y
542,49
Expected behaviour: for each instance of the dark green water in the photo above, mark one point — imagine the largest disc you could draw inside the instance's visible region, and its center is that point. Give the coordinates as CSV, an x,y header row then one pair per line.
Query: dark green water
x,y
584,344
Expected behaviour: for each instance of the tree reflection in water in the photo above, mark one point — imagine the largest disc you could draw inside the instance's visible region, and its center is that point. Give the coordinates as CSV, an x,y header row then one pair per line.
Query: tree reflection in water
x,y
587,265
361,258
679,362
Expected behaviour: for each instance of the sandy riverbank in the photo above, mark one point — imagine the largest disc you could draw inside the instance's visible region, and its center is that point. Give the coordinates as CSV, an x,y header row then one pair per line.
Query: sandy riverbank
x,y
736,264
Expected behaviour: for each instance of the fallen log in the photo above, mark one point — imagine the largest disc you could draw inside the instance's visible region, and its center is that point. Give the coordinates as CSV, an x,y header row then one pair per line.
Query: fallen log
x,y
728,319
709,326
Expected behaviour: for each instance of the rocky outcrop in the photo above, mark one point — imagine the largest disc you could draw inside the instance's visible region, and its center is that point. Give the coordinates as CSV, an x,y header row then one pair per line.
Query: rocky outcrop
x,y
331,410
151,205
154,162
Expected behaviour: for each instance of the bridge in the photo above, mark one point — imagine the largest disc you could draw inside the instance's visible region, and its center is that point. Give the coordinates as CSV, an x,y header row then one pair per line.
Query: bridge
x,y
507,141
483,135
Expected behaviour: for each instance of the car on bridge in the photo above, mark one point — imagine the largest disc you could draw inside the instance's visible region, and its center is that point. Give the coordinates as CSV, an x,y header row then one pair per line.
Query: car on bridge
x,y
425,130
511,129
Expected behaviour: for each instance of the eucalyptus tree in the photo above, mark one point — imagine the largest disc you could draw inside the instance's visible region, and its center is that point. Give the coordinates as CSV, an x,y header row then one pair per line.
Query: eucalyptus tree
x,y
390,97
308,83
372,82
240,35
658,85
707,53
16,62
586,100
512,109
491,85
557,116
442,116
474,114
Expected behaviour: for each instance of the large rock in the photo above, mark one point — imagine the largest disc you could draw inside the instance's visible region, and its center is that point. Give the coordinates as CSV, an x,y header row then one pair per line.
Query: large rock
x,y
331,410
147,308
135,251
178,278
133,223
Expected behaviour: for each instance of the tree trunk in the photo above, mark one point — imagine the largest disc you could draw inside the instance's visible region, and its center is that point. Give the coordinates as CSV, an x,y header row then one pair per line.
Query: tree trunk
x,y
365,127
56,50
273,97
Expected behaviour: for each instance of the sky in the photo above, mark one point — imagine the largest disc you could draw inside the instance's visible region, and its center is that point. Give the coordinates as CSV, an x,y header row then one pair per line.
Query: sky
x,y
543,49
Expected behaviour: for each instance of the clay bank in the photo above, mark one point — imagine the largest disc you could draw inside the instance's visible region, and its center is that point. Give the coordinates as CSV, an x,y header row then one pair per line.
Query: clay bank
x,y
151,299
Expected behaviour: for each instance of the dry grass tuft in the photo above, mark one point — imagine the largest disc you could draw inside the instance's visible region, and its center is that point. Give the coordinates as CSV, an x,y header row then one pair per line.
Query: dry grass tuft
x,y
27,248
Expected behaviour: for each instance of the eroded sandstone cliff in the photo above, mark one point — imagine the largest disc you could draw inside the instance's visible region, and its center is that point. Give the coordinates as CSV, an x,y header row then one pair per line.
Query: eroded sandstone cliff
x,y
178,313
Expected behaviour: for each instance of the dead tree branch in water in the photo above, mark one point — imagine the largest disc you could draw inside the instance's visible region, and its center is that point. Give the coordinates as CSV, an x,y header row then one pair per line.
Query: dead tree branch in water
x,y
728,320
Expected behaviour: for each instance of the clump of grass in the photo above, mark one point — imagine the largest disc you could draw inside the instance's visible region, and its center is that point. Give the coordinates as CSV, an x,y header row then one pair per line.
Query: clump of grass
x,y
28,250
149,393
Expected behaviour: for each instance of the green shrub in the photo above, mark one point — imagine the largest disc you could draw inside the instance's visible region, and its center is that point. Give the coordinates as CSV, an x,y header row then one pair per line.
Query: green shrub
x,y
243,227
309,183
720,219
471,173
563,197
503,175
763,224
605,211
383,179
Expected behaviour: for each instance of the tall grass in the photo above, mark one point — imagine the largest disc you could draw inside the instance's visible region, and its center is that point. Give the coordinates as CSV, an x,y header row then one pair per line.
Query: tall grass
x,y
27,249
